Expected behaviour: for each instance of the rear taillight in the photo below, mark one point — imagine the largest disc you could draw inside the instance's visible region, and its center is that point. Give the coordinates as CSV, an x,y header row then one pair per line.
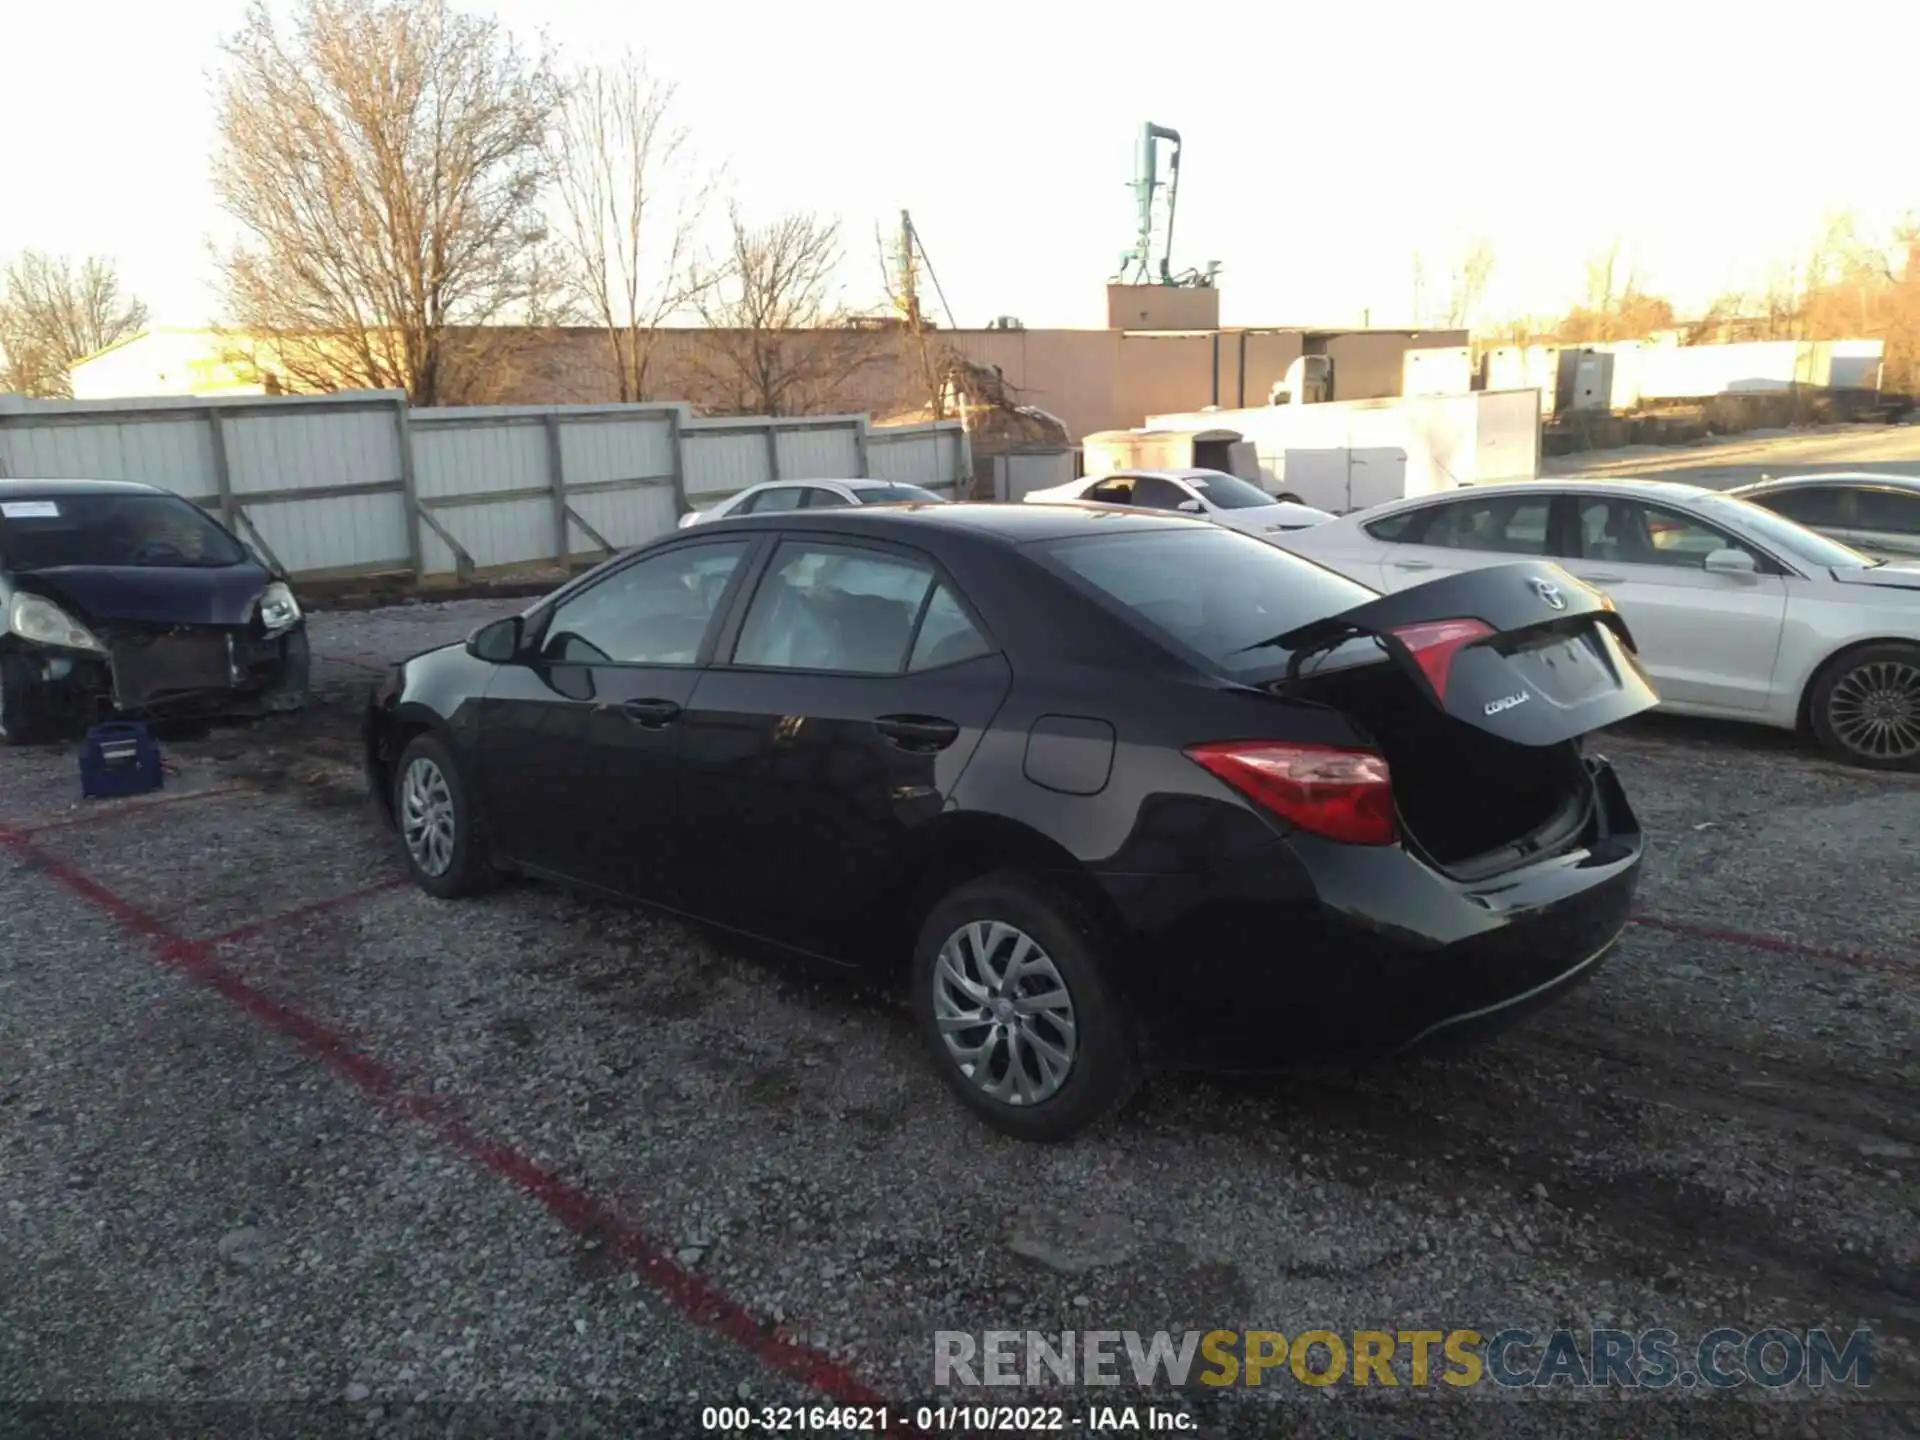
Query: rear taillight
x,y
1434,643
1340,794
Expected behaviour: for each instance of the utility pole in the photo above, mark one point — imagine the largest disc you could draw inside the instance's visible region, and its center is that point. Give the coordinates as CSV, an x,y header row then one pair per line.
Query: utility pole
x,y
909,263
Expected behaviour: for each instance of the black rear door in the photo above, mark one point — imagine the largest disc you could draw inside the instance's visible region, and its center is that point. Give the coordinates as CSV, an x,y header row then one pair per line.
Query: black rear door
x,y
856,685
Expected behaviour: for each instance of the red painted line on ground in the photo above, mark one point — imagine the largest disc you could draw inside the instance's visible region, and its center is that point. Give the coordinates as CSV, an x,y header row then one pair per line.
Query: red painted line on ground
x,y
345,900
1778,944
110,811
696,1297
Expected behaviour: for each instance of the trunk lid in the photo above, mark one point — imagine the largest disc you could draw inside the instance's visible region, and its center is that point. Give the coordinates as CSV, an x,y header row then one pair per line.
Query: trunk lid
x,y
1524,652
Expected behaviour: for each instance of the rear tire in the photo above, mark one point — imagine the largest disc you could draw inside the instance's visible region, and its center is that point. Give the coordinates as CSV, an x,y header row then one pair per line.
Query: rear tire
x,y
23,718
1865,707
1053,1050
439,837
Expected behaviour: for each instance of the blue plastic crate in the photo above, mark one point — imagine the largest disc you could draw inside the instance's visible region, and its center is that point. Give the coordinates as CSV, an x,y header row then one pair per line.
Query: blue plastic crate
x,y
120,758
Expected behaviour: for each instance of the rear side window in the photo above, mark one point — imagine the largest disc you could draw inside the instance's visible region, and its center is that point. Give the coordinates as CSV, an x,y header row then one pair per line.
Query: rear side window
x,y
897,495
947,634
1212,590
1893,511
1824,505
787,497
837,608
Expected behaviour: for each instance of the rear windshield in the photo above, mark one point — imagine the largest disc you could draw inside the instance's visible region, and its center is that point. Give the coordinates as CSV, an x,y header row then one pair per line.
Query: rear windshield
x,y
897,495
1215,591
148,531
1229,492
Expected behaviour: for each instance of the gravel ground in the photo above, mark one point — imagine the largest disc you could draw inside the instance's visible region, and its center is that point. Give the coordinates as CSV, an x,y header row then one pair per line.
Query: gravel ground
x,y
389,1152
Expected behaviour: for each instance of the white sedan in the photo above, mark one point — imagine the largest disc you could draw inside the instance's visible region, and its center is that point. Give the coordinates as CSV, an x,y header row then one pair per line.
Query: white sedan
x,y
1222,498
1738,613
776,495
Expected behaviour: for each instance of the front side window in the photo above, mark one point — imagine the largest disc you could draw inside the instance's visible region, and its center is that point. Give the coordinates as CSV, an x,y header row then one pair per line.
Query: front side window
x,y
781,497
1229,492
1150,492
1628,532
653,612
1894,512
1509,524
1117,491
819,498
136,531
834,607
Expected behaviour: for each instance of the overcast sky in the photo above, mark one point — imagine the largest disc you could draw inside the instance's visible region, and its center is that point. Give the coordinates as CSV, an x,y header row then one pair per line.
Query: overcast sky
x,y
1325,142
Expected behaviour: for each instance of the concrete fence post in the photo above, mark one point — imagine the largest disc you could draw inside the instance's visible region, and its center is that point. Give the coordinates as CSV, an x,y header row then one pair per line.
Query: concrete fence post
x,y
677,443
773,451
222,472
557,487
409,487
863,446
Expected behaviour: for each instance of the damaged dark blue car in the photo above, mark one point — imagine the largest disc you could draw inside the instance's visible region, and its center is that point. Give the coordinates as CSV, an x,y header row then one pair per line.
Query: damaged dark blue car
x,y
119,599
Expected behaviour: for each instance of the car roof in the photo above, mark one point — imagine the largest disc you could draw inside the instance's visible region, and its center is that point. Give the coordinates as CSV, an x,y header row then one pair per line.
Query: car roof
x,y
17,489
1015,524
1199,472
866,484
1829,477
1670,490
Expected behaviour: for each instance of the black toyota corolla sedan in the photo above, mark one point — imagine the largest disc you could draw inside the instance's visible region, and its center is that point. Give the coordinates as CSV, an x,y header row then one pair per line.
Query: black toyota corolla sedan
x,y
125,599
1115,791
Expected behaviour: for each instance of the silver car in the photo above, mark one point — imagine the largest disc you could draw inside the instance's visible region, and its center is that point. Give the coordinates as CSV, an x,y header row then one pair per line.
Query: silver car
x,y
1876,514
1738,613
777,495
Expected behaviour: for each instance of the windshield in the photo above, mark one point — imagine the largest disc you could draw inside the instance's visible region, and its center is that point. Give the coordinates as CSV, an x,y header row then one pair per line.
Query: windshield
x,y
1213,591
1229,492
898,495
145,531
1788,535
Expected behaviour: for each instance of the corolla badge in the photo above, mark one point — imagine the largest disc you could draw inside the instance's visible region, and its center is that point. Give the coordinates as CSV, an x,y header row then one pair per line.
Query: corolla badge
x,y
1549,592
1494,707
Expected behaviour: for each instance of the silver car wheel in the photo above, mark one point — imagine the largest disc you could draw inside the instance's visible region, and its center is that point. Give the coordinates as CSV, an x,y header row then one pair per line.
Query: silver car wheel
x,y
1004,1012
1875,710
427,817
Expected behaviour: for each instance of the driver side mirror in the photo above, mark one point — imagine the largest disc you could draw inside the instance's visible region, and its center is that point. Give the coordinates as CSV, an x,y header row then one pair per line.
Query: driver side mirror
x,y
498,642
1731,562
1191,507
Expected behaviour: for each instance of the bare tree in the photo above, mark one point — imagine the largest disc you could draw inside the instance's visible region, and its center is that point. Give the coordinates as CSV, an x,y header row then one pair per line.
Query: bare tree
x,y
776,343
385,159
1467,274
630,205
54,312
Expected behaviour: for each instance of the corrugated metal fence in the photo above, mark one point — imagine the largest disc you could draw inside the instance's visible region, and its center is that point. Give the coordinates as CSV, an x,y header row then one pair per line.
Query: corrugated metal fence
x,y
343,484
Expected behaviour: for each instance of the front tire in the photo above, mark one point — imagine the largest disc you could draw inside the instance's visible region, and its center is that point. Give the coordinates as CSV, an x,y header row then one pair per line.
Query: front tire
x,y
1017,1012
1865,707
439,838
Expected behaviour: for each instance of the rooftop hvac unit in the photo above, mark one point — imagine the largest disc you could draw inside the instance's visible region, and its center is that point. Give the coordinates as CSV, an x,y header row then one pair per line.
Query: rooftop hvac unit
x,y
1006,322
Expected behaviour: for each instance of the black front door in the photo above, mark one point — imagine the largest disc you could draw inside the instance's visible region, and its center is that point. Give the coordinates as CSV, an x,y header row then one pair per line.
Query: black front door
x,y
857,690
578,743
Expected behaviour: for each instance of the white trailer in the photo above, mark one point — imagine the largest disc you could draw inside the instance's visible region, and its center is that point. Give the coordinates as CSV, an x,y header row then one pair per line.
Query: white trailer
x,y
1347,455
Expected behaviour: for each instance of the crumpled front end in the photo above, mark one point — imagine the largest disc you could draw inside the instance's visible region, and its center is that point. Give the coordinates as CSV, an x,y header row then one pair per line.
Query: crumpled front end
x,y
178,671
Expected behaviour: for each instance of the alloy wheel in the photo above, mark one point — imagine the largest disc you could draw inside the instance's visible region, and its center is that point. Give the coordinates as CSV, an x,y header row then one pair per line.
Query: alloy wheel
x,y
1004,1012
427,817
1875,710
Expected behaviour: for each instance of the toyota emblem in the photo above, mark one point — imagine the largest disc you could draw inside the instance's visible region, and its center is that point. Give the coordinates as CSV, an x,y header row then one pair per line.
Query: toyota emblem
x,y
1550,592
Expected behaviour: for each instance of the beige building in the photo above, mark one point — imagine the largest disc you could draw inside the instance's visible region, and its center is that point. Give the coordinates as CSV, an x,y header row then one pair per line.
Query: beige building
x,y
1091,380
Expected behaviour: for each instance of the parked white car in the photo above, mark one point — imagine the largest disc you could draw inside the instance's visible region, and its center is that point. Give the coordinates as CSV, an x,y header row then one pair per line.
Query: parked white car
x,y
1877,514
1222,498
1738,613
777,495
